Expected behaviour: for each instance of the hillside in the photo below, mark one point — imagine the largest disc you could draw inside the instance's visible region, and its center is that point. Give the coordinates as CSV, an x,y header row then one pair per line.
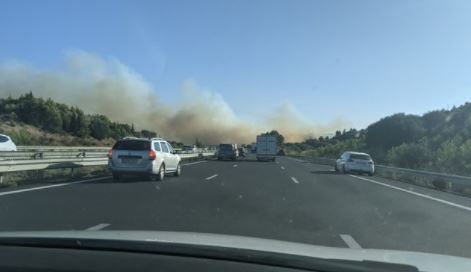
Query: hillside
x,y
439,140
23,134
31,120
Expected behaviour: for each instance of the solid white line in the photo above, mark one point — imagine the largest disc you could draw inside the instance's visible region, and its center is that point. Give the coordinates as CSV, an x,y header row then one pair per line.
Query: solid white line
x,y
351,243
415,193
235,165
294,180
98,227
191,163
211,177
294,159
50,186
282,168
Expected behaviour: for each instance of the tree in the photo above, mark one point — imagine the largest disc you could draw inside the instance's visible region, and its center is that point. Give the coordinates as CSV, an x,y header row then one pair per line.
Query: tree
x,y
280,138
198,143
394,130
411,155
100,127
148,134
79,123
51,117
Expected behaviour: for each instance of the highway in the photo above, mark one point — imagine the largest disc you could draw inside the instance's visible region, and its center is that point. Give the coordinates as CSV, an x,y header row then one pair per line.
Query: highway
x,y
288,200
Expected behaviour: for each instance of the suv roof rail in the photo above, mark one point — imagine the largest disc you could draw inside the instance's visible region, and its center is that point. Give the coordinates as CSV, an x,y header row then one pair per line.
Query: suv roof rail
x,y
142,138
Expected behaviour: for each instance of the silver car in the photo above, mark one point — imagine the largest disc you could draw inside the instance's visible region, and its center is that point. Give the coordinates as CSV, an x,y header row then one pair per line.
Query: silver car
x,y
136,156
355,162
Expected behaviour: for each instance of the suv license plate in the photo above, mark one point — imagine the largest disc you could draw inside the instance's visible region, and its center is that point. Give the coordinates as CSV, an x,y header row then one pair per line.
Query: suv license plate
x,y
130,161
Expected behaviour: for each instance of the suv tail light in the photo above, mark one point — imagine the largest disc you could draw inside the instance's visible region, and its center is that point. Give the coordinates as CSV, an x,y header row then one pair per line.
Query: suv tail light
x,y
110,153
152,155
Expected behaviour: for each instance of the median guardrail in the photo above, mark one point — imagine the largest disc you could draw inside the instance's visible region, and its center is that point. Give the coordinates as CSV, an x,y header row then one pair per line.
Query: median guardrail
x,y
435,180
55,157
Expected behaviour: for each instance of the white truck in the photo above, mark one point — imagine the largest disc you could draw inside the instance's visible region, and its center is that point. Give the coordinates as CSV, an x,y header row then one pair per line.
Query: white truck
x,y
267,148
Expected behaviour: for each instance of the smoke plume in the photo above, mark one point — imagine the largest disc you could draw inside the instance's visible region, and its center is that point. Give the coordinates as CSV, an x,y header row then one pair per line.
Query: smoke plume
x,y
106,86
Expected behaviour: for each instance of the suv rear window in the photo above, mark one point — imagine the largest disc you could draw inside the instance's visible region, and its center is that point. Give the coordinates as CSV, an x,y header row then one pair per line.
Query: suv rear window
x,y
132,145
360,157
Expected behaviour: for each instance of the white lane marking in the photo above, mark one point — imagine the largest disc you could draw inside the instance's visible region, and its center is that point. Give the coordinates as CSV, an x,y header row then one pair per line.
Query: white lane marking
x,y
211,177
415,193
191,163
294,180
294,159
282,168
98,227
235,165
351,243
50,186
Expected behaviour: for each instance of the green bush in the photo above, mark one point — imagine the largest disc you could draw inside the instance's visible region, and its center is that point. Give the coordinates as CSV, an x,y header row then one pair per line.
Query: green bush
x,y
22,137
60,118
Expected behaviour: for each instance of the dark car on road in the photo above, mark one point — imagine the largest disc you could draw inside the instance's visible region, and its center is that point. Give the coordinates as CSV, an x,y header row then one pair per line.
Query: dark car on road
x,y
228,152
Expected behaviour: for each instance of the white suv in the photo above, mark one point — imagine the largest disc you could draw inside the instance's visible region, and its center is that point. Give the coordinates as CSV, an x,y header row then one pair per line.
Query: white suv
x,y
136,156
355,162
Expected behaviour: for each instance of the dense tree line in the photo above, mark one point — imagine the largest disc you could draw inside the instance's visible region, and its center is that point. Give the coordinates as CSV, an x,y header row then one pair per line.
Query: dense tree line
x,y
438,140
280,138
60,118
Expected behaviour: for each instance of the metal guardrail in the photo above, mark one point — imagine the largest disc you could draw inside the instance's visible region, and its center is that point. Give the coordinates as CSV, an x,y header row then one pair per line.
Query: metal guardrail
x,y
441,181
47,157
40,147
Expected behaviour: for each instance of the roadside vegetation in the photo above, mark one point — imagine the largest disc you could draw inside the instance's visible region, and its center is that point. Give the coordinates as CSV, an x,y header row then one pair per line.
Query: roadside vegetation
x,y
31,120
437,141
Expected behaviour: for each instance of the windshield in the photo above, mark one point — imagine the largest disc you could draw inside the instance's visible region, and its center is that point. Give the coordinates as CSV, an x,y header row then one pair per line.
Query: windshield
x,y
342,124
360,157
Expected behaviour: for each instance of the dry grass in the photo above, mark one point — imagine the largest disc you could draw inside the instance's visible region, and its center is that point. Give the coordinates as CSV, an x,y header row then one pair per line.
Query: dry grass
x,y
51,176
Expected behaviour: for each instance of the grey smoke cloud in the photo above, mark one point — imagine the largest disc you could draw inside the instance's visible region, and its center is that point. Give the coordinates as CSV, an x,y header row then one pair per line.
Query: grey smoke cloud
x,y
107,86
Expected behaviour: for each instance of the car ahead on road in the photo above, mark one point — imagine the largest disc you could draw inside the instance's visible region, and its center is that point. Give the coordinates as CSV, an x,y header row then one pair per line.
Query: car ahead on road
x,y
189,149
228,152
136,156
355,162
6,144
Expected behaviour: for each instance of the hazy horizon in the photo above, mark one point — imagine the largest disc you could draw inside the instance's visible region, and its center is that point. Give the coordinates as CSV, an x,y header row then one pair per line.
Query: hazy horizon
x,y
229,70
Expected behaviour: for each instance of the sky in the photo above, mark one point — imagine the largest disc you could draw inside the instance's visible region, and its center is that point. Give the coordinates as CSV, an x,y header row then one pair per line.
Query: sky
x,y
354,60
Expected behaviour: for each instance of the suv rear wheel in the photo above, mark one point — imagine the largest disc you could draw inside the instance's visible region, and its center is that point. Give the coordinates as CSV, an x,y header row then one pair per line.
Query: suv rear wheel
x,y
160,175
178,172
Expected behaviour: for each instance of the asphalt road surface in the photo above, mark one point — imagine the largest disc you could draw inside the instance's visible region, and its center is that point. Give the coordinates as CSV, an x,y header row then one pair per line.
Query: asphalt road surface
x,y
288,200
